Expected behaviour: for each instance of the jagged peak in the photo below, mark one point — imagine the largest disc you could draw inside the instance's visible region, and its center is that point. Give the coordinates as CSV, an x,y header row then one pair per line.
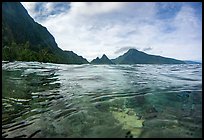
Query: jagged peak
x,y
104,56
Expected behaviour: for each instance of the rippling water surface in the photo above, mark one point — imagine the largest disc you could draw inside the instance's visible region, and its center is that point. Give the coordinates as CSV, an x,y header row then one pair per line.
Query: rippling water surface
x,y
56,100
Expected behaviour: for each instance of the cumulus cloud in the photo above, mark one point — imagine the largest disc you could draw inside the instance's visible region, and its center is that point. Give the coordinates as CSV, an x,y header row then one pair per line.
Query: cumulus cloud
x,y
93,8
91,29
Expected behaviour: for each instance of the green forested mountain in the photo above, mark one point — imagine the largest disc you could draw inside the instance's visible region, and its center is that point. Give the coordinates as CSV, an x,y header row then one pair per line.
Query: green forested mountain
x,y
133,56
26,40
103,60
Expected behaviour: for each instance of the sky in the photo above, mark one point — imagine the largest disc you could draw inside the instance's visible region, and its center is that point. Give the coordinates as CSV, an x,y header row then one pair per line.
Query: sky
x,y
91,29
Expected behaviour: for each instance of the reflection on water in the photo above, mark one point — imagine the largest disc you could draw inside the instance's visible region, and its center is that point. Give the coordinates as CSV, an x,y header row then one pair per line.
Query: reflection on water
x,y
56,100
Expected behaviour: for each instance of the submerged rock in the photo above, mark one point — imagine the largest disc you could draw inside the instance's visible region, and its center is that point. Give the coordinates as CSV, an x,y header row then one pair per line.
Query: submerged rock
x,y
129,121
150,113
128,135
151,109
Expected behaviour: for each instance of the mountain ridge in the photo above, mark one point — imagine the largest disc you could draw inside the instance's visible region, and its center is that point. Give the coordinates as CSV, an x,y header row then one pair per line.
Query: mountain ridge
x,y
103,60
133,56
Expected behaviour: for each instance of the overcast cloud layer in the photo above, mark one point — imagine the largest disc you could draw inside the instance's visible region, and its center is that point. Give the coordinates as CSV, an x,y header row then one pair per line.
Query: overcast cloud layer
x,y
92,29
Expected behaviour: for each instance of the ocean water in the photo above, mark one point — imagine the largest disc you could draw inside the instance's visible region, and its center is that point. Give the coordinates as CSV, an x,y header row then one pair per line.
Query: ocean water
x,y
142,101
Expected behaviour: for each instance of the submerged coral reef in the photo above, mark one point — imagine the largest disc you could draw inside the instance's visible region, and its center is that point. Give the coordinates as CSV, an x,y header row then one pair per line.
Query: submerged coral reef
x,y
129,120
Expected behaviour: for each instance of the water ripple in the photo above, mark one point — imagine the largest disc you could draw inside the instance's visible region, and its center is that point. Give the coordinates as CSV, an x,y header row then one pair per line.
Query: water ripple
x,y
58,100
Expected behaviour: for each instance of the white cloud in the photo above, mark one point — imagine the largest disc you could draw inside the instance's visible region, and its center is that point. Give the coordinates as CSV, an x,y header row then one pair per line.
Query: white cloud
x,y
92,29
43,10
184,42
92,8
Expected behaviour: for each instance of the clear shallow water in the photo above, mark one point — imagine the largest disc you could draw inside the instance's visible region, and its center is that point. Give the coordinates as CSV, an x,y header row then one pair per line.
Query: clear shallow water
x,y
56,100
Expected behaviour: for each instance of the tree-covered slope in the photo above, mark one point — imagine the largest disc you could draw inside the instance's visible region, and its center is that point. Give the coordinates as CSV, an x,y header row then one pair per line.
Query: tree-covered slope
x,y
20,31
